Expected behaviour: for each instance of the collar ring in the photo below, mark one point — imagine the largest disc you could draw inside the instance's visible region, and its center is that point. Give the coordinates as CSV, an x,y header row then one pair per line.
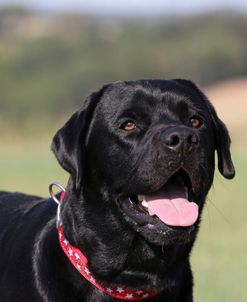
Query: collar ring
x,y
58,202
53,196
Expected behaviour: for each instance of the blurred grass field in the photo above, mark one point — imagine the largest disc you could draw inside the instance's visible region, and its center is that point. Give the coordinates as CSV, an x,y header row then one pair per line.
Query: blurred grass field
x,y
219,256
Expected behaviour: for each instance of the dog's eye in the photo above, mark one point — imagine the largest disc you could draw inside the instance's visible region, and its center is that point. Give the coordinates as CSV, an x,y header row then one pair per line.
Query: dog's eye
x,y
195,122
129,125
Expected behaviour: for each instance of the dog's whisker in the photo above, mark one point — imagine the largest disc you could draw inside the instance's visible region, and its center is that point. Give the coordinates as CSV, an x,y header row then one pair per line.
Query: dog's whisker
x,y
219,211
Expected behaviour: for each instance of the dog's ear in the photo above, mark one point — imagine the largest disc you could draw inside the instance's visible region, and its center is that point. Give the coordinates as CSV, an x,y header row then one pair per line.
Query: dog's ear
x,y
69,142
222,138
223,142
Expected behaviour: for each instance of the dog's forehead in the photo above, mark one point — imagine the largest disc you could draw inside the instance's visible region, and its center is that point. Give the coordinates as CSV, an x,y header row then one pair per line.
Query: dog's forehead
x,y
148,96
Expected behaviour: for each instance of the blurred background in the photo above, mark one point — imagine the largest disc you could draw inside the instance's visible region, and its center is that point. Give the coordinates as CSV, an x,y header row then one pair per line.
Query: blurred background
x,y
53,53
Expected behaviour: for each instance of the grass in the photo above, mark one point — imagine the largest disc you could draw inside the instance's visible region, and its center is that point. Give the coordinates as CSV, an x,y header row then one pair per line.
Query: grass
x,y
219,258
29,171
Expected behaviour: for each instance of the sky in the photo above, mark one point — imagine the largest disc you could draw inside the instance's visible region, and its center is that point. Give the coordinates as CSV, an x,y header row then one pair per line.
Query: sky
x,y
132,7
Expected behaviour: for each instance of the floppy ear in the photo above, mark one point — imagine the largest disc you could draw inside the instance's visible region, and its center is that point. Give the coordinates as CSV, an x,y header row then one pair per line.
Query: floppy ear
x,y
69,142
223,141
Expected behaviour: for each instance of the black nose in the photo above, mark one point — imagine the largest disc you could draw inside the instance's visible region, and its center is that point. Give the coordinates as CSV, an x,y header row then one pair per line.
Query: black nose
x,y
180,137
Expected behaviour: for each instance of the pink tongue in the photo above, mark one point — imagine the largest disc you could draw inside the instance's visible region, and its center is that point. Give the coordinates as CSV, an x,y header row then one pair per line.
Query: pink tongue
x,y
172,207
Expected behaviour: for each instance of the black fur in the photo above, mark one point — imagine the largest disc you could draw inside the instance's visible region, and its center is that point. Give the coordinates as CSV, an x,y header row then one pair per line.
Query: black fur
x,y
107,165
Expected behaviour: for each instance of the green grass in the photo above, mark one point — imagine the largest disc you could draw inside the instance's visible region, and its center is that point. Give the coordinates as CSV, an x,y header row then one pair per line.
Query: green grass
x,y
29,171
219,257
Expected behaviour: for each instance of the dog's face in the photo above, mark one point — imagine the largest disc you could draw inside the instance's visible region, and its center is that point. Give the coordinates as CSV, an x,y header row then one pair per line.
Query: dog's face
x,y
147,147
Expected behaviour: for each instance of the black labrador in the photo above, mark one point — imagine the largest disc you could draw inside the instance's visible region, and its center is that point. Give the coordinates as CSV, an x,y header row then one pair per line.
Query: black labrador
x,y
141,158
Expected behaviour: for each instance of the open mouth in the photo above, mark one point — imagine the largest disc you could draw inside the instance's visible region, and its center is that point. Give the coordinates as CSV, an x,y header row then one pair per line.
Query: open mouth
x,y
173,204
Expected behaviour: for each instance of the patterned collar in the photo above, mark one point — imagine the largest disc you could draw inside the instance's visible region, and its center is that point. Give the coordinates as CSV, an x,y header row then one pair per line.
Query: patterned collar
x,y
79,261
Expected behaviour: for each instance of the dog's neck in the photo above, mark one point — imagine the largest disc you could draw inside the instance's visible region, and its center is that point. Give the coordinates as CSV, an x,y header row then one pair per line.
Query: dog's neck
x,y
116,254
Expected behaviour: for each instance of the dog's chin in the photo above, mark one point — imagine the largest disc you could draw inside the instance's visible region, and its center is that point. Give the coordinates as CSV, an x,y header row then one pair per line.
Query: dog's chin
x,y
156,215
164,235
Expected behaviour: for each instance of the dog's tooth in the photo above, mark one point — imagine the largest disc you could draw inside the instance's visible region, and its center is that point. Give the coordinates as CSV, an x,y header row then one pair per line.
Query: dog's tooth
x,y
145,204
140,198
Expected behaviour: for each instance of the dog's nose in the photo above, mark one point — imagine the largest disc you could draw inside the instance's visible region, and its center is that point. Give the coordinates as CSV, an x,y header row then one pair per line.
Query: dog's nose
x,y
180,137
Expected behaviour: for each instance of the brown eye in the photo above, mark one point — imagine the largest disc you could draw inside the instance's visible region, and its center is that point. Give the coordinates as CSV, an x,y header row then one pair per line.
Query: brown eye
x,y
128,125
195,122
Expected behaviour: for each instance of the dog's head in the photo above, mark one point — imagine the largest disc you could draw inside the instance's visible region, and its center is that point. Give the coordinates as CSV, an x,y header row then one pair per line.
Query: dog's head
x,y
147,148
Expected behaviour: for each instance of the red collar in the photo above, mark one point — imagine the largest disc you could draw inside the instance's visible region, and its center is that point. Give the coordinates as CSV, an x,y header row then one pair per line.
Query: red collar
x,y
79,261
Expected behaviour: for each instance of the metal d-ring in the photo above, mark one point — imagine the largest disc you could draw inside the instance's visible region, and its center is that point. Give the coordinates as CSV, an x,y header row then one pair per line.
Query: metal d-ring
x,y
53,196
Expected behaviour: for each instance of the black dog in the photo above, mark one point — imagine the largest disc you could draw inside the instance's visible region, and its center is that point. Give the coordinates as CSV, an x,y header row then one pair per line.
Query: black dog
x,y
141,160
